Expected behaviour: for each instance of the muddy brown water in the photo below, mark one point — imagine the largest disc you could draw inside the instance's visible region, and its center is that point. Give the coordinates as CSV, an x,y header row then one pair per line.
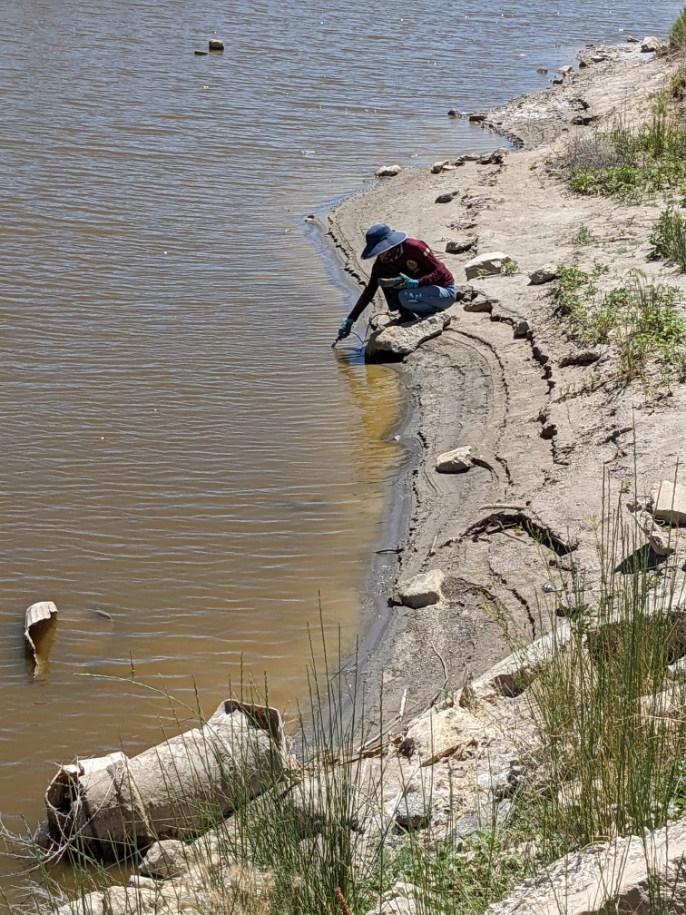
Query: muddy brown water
x,y
187,470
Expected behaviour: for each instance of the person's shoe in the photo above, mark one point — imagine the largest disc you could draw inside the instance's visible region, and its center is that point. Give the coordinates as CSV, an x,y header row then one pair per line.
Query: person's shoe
x,y
405,316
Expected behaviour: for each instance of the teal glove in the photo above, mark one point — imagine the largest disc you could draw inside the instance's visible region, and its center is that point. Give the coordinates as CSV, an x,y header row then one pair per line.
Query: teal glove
x,y
408,282
344,329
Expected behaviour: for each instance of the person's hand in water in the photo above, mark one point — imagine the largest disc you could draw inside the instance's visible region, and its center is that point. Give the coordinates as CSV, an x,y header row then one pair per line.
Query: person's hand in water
x,y
344,328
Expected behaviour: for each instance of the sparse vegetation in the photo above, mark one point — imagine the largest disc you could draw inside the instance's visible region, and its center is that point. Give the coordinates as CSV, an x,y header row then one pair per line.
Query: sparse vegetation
x,y
668,239
640,319
630,163
583,237
510,267
677,85
608,710
677,33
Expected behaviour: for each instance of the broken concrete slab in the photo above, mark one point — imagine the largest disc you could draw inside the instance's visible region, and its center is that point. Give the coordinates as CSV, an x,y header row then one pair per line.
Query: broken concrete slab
x,y
618,876
668,502
170,790
490,264
513,674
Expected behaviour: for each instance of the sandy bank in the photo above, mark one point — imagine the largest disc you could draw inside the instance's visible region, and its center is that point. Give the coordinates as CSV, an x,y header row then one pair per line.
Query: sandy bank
x,y
546,430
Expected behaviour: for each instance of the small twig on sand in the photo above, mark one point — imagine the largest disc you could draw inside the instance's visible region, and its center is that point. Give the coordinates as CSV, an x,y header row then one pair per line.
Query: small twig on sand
x,y
401,713
443,664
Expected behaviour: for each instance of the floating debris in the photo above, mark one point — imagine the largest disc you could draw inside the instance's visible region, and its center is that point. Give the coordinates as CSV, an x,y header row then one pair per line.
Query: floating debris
x,y
39,632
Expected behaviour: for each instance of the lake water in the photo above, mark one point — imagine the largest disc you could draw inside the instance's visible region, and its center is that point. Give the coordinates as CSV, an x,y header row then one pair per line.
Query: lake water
x,y
187,470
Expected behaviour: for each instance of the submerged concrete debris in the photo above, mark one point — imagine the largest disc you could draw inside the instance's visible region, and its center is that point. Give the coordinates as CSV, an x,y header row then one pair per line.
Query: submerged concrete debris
x,y
171,790
40,621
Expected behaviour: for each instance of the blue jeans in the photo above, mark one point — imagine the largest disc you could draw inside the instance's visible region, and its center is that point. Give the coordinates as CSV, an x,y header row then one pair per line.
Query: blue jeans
x,y
422,301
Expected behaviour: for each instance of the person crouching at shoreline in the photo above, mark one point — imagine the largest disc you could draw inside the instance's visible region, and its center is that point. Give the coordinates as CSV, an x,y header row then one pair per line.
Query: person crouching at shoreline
x,y
416,284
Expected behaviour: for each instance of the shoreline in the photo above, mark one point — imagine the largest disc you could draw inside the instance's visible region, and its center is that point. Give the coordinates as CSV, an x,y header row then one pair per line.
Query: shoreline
x,y
523,709
394,637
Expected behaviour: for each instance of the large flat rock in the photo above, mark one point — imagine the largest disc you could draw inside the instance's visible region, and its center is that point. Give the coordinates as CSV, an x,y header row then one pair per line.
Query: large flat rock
x,y
396,341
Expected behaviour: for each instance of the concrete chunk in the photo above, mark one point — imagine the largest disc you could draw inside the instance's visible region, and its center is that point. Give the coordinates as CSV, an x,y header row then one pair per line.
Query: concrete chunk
x,y
422,590
488,265
457,461
668,501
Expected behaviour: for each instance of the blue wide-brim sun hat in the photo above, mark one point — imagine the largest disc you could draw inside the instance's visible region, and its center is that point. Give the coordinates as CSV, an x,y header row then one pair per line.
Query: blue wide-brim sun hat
x,y
379,239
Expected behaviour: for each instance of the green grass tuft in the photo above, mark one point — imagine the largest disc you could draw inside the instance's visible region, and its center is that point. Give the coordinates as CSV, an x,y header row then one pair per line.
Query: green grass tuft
x,y
677,33
583,237
629,163
640,319
668,239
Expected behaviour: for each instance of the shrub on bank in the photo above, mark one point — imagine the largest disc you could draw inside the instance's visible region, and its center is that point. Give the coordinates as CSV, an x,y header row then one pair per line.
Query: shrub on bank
x,y
629,162
677,33
668,239
640,319
609,709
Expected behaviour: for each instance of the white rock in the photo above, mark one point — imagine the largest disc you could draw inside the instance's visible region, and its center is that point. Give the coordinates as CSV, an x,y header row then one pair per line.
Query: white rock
x,y
442,166
514,673
460,245
457,461
488,265
422,590
399,340
480,304
90,904
127,900
388,171
545,274
439,733
165,859
668,502
651,44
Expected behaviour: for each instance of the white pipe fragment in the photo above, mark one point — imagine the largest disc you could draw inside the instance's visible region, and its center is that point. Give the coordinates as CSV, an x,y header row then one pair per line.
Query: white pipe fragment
x,y
174,790
39,629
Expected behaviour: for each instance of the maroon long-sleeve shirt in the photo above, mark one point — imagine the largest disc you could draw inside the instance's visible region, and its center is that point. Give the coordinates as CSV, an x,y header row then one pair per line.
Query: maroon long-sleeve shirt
x,y
413,258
